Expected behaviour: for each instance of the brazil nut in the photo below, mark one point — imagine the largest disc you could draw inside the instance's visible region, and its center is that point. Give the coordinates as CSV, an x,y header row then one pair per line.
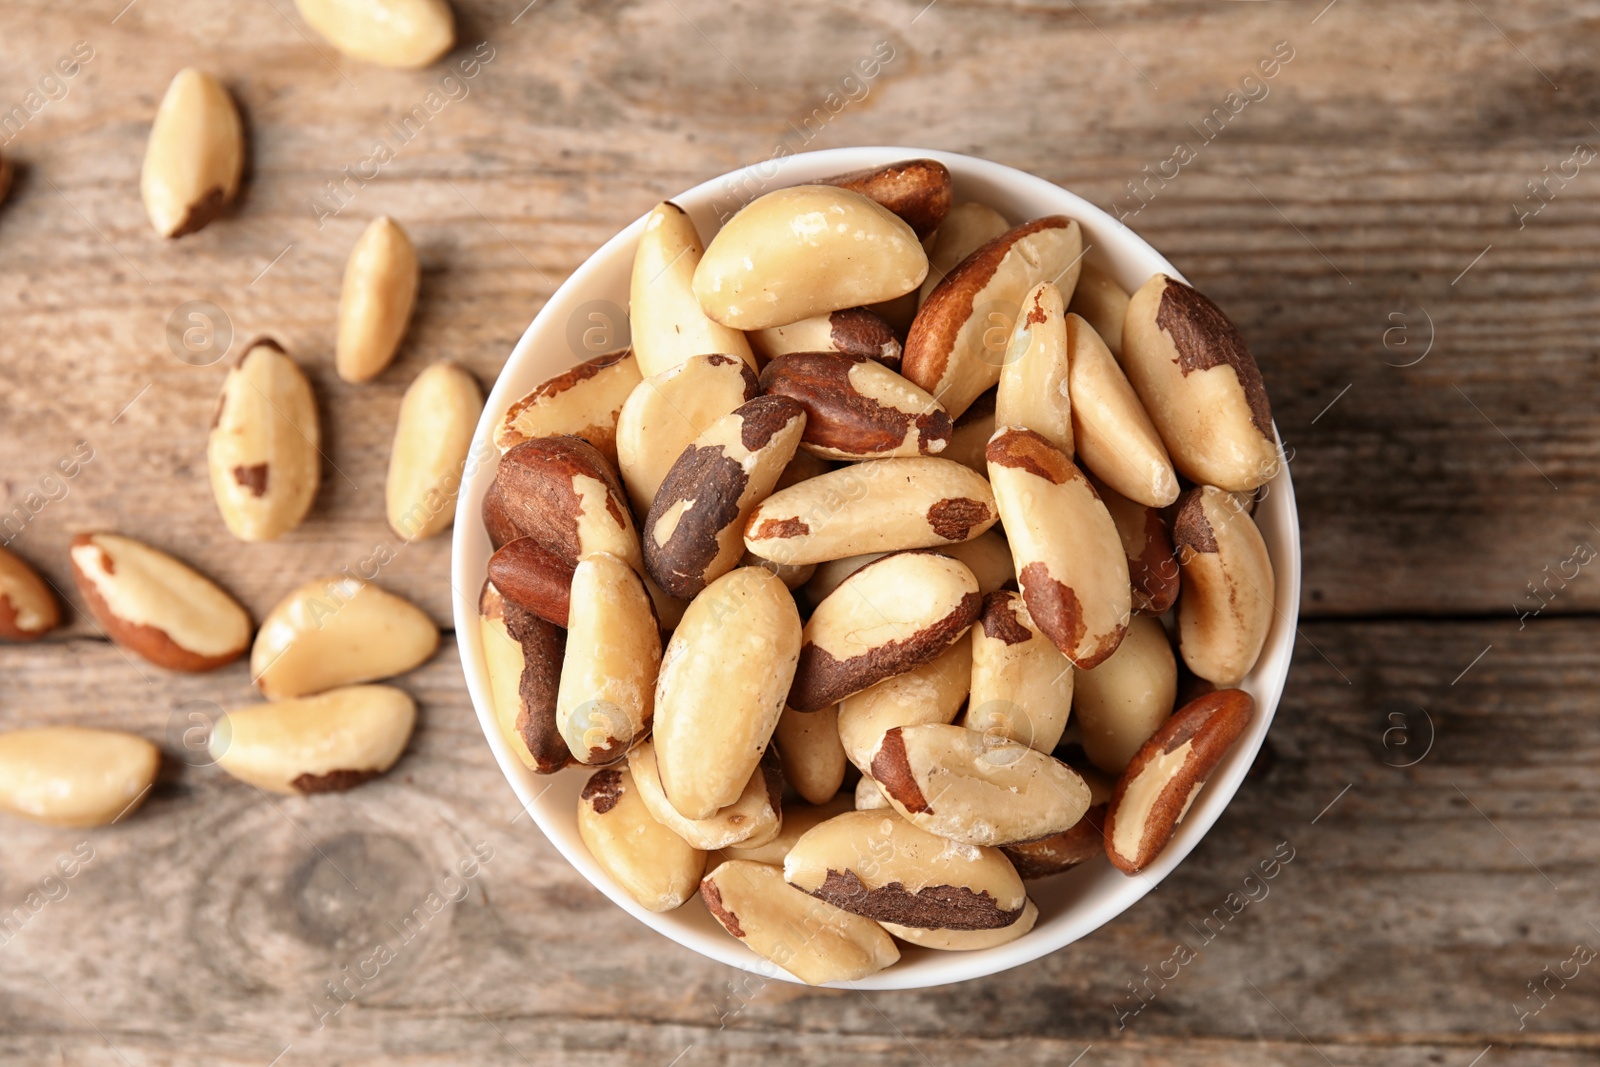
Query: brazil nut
x,y
606,698
1115,437
1033,382
917,190
1197,379
974,788
585,402
1123,701
1069,560
721,688
1146,541
1079,843
1168,772
803,251
1021,683
856,408
28,609
522,654
810,938
74,775
850,332
1102,303
968,227
264,451
338,631
890,616
665,413
533,578
876,864
813,759
752,819
880,505
665,316
563,493
318,744
693,534
1226,609
933,692
946,351
656,868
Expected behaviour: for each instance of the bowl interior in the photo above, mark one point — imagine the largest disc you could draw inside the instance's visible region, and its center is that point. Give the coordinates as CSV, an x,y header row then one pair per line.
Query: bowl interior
x,y
587,316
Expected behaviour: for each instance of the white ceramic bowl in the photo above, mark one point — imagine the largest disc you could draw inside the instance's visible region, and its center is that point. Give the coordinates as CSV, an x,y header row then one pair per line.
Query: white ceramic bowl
x,y
1070,905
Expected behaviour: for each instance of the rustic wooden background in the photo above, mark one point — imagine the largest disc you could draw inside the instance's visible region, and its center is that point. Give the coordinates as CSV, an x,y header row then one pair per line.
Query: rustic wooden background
x,y
1429,345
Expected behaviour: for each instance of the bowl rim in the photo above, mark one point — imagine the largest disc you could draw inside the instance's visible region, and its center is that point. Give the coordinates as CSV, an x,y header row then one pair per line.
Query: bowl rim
x,y
469,550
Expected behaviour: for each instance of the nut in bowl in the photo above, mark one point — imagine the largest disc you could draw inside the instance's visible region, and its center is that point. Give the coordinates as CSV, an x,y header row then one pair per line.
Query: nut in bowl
x,y
847,423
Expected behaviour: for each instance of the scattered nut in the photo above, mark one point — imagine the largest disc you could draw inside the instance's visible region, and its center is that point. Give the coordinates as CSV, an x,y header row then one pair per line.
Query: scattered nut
x,y
156,606
653,865
754,818
28,609
1021,683
318,744
1155,792
693,533
876,864
890,616
380,289
813,759
856,408
975,788
390,33
1226,608
1200,385
608,675
811,939
74,776
1115,437
523,655
665,413
1033,382
803,251
945,352
1069,560
721,688
880,505
919,191
265,446
431,441
338,631
1126,699
931,693
585,402
851,332
195,155
667,323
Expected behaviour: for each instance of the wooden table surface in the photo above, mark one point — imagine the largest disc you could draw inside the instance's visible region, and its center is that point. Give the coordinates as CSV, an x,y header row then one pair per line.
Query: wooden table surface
x,y
1403,221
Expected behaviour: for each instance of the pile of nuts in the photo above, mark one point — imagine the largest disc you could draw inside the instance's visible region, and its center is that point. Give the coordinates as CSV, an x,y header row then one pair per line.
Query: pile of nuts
x,y
817,523
322,728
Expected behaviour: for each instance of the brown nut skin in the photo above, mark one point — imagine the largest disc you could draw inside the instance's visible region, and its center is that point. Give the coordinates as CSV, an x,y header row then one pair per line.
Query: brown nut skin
x,y
936,691
876,864
811,939
523,654
28,608
1200,385
920,191
1146,541
966,940
1069,560
497,520
533,578
856,408
851,332
1226,609
561,492
653,865
1155,792
156,606
946,351
890,616
583,401
693,533
1061,852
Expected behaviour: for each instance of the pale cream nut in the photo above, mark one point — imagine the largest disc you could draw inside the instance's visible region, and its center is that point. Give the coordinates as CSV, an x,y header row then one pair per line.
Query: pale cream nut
x,y
194,157
390,33
338,631
431,441
380,289
319,744
264,452
73,775
650,863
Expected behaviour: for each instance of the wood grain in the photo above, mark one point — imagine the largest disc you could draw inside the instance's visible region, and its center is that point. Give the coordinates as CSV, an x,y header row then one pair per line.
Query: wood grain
x,y
1367,203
